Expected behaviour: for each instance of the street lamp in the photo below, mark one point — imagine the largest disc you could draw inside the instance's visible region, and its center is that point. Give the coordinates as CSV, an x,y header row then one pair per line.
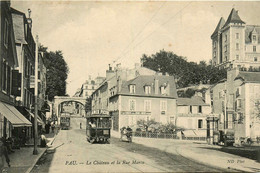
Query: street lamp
x,y
35,152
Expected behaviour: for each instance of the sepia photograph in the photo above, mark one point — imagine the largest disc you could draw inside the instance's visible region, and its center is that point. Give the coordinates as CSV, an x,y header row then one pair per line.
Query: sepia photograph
x,y
128,86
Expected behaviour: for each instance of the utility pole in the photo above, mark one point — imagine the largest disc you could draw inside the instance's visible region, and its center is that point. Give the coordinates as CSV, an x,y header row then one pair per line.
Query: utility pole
x,y
35,152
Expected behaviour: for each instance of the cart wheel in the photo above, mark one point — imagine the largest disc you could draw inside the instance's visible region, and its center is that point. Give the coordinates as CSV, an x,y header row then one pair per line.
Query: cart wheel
x,y
92,141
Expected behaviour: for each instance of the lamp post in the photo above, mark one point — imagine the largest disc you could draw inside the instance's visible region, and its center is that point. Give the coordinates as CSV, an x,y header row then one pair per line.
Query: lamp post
x,y
35,152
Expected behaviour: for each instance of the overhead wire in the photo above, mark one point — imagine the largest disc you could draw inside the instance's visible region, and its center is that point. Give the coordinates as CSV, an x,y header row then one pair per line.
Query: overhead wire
x,y
157,29
140,32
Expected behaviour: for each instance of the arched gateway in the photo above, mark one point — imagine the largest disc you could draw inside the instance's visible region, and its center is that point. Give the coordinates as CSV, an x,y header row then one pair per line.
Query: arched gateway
x,y
60,100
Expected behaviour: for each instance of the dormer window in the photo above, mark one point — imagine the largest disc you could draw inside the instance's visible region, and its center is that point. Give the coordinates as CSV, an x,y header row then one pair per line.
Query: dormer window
x,y
254,38
132,89
147,89
163,91
215,44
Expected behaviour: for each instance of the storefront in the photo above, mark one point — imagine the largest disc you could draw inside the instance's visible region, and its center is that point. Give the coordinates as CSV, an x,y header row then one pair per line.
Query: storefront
x,y
12,121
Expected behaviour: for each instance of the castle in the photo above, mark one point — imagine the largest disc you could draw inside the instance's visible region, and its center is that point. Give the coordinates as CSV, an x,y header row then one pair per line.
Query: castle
x,y
235,44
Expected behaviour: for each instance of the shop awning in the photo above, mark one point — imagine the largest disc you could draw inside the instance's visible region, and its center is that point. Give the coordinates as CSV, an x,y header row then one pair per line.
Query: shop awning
x,y
13,115
39,120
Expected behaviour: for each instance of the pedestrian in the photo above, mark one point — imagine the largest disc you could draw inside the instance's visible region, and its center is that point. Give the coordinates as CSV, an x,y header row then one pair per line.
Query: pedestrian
x,y
43,141
3,155
52,127
80,125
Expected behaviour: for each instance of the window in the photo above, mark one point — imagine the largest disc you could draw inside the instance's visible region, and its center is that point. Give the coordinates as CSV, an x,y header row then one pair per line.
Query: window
x,y
6,33
254,37
163,105
200,123
254,48
238,92
190,109
147,105
6,77
93,87
237,35
147,89
237,57
255,59
214,54
225,48
239,103
215,44
132,89
200,109
226,58
237,46
132,105
230,121
225,37
163,91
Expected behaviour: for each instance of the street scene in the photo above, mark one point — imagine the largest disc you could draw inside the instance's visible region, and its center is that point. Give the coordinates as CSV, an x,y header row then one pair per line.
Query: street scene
x,y
151,86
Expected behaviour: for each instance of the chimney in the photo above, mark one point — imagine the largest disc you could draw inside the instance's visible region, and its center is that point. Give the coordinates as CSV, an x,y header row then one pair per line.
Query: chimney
x,y
119,84
109,72
109,67
156,86
29,20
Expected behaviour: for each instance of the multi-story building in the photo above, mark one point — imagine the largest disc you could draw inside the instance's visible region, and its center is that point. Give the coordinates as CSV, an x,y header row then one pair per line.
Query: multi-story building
x,y
90,86
11,120
235,44
132,94
236,100
192,114
25,48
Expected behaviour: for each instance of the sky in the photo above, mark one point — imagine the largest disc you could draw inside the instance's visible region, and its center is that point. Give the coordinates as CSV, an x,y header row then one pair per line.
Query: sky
x,y
93,34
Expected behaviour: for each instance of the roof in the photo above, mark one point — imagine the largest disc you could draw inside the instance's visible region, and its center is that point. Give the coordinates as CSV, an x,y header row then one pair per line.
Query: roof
x,y
219,26
233,18
193,101
249,77
144,80
249,30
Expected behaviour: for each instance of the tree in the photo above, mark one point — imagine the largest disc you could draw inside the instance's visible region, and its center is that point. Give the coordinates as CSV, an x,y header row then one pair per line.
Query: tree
x,y
57,72
186,73
146,123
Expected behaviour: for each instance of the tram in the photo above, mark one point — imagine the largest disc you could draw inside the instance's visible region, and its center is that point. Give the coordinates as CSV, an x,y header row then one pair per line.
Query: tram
x,y
98,128
65,121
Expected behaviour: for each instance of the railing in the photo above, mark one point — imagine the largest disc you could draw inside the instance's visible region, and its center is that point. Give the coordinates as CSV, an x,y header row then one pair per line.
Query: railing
x,y
165,136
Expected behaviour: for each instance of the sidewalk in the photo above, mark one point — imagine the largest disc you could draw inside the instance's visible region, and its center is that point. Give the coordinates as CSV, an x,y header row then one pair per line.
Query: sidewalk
x,y
23,160
201,152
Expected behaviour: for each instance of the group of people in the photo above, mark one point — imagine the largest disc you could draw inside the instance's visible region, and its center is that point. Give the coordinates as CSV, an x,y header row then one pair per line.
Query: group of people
x,y
47,128
126,131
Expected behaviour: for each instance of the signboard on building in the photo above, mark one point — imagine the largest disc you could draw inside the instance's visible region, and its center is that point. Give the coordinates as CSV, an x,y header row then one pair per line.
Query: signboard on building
x,y
135,113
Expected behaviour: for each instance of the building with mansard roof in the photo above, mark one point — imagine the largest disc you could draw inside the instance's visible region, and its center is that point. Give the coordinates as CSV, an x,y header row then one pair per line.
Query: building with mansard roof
x,y
236,44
